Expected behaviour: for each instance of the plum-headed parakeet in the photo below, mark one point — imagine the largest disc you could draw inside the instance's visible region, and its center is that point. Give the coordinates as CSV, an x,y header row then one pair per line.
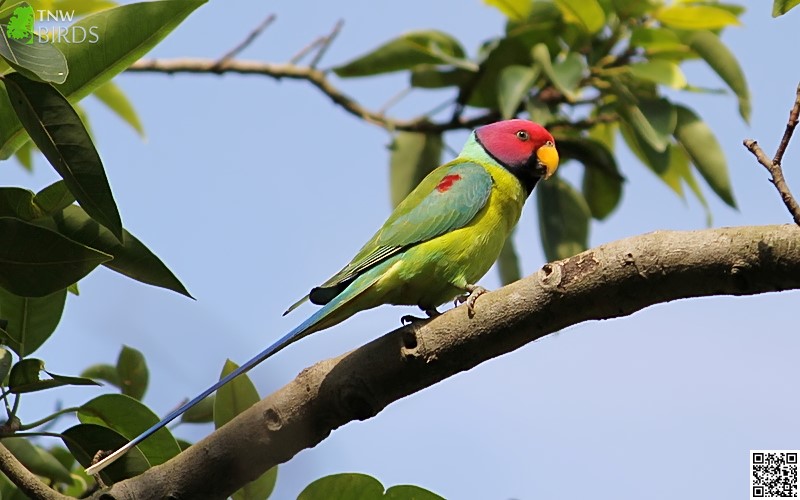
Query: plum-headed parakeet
x,y
439,241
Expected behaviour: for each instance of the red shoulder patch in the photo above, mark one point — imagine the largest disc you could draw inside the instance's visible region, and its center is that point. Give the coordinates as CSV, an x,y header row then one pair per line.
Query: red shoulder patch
x,y
447,182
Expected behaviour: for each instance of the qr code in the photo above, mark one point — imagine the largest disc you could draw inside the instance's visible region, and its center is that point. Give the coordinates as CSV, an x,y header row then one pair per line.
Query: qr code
x,y
773,474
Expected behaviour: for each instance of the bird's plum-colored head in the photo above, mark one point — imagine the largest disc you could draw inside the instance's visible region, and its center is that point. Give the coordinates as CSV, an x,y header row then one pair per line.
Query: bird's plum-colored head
x,y
521,146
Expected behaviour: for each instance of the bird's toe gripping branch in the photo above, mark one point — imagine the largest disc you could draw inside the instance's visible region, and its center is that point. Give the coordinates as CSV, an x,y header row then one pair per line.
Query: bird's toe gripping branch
x,y
408,318
475,291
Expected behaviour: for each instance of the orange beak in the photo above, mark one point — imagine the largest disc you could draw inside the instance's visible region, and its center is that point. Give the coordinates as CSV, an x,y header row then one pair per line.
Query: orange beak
x,y
548,157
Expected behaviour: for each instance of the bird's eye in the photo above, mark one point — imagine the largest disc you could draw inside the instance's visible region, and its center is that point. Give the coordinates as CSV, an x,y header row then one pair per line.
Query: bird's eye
x,y
522,135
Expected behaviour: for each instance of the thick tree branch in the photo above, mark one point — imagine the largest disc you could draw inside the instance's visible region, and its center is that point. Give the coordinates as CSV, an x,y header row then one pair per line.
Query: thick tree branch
x,y
24,479
774,166
613,280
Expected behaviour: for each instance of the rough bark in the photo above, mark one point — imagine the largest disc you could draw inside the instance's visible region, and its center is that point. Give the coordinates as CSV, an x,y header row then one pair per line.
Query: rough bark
x,y
612,280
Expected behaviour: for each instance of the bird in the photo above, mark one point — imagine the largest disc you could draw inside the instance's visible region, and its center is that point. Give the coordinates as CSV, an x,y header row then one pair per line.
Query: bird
x,y
434,247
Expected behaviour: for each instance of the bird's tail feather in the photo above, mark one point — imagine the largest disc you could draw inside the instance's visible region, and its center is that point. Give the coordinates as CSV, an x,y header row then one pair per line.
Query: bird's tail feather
x,y
310,325
295,305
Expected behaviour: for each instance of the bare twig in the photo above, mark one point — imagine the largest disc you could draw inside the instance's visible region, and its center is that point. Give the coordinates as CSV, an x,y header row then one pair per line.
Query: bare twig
x,y
774,165
315,77
790,125
305,50
244,43
326,42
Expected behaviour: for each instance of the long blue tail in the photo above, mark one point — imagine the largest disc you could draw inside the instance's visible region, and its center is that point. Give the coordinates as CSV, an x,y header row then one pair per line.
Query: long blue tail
x,y
296,334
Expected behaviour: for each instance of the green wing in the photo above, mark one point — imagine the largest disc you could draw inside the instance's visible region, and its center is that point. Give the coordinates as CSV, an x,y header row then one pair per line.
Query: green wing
x,y
447,199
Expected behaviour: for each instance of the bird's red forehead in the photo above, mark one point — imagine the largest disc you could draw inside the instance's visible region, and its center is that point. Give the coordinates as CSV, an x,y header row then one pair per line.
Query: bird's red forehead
x,y
503,140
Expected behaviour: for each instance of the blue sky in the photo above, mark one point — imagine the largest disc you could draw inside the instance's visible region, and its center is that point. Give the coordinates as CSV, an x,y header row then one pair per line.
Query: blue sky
x,y
253,191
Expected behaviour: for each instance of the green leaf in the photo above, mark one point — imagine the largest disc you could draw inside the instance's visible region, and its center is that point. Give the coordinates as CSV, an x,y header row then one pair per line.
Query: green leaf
x,y
602,181
414,155
125,34
508,263
36,261
602,192
259,489
569,71
112,96
563,219
133,374
85,440
24,377
59,133
561,79
514,84
591,153
659,71
410,492
588,14
705,152
781,7
37,58
24,155
654,128
352,486
406,52
481,89
200,413
54,198
18,202
104,372
655,40
657,161
432,77
130,257
541,113
515,10
339,486
130,418
723,61
633,8
695,17
31,321
37,460
233,398
679,163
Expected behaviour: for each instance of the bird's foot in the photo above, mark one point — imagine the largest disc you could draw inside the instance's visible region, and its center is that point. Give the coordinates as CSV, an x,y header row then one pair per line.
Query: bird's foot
x,y
432,312
475,291
409,318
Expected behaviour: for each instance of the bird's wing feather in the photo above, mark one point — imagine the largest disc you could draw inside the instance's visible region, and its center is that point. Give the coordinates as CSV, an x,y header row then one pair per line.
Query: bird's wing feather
x,y
447,199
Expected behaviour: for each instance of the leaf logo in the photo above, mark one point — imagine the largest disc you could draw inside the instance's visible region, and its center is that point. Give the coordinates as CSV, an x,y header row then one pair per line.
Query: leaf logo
x,y
20,26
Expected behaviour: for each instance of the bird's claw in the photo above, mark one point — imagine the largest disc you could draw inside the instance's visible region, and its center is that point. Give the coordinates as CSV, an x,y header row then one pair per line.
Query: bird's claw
x,y
410,318
474,292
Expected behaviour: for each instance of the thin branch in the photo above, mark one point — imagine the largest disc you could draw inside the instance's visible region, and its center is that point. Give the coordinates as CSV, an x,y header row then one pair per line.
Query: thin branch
x,y
774,166
790,125
25,480
305,50
627,275
245,43
49,418
315,77
326,42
